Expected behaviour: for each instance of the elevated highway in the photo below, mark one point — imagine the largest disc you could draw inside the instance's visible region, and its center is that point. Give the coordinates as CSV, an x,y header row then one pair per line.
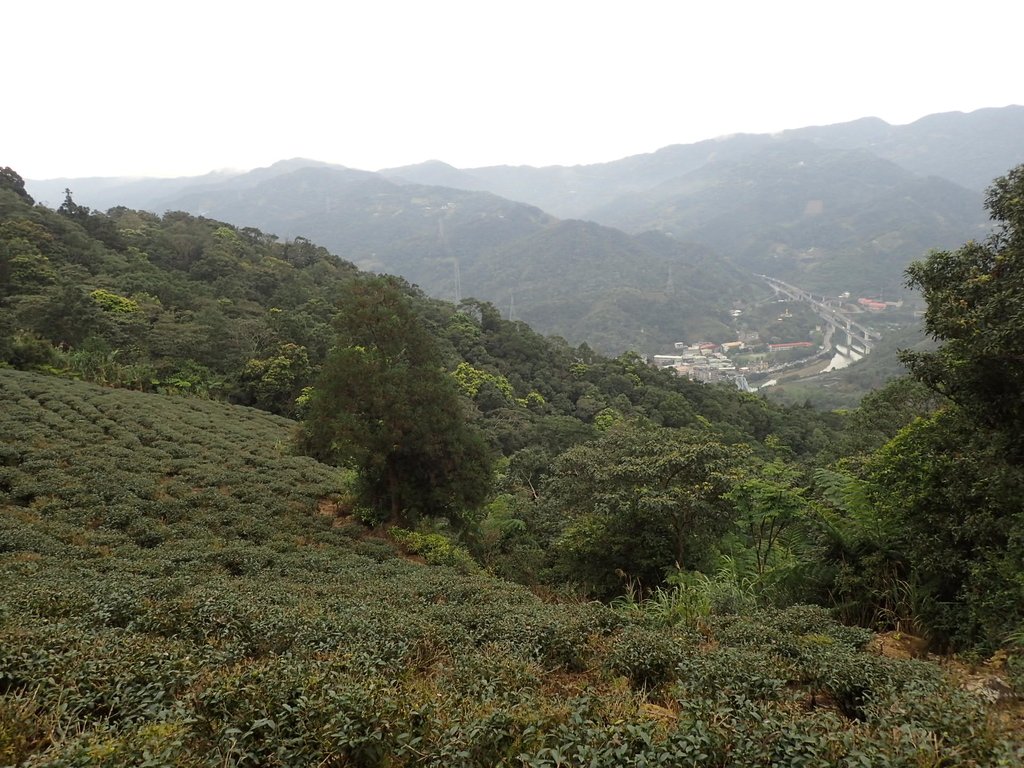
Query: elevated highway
x,y
857,335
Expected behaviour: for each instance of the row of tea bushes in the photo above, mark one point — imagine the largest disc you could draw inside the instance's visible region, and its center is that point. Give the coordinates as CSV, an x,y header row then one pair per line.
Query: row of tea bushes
x,y
171,595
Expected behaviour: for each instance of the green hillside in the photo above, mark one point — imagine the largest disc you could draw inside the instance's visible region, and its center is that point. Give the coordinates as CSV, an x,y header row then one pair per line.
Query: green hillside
x,y
455,243
179,588
185,304
825,219
512,550
832,208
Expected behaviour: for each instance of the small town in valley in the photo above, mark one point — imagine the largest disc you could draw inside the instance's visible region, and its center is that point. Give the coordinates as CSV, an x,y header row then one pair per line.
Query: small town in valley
x,y
837,340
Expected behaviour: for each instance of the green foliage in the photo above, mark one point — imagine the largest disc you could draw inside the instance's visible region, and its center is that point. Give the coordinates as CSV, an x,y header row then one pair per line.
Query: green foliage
x,y
918,527
974,300
957,520
946,488
111,302
436,549
647,657
276,383
884,412
769,505
860,566
470,380
615,298
607,418
254,317
684,604
26,350
384,406
129,282
181,590
9,179
638,501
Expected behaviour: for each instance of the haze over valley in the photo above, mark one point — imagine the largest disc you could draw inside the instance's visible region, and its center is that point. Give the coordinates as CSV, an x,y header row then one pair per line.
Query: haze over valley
x,y
512,385
260,505
638,253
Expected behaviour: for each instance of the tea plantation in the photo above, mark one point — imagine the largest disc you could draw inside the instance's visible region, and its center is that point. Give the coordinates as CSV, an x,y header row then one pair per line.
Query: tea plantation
x,y
173,593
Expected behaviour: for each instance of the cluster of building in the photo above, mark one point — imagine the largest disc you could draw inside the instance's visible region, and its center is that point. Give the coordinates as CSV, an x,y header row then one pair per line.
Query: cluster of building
x,y
705,361
708,362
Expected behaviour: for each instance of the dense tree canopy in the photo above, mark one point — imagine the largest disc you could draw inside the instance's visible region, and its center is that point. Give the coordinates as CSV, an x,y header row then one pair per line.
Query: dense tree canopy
x,y
954,507
611,468
976,309
9,179
640,501
384,405
950,484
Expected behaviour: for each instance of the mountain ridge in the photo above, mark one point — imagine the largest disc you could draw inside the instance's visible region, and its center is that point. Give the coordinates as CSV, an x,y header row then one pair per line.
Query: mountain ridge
x,y
851,217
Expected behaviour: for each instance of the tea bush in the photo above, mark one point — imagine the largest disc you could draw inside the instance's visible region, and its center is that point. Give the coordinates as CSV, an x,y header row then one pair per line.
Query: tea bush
x,y
170,594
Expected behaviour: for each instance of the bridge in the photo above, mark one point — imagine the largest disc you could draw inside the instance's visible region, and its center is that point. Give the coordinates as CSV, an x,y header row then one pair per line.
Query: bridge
x,y
856,333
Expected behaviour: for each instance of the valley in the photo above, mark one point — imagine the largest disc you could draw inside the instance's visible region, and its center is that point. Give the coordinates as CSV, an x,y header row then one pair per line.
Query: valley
x,y
263,503
634,254
752,363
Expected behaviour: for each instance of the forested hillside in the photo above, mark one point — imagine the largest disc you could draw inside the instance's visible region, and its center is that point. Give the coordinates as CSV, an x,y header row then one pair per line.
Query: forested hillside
x,y
476,545
179,591
579,280
831,208
187,304
821,218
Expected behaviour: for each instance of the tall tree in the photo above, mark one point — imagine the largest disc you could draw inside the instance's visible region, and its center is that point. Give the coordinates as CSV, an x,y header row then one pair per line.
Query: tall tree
x,y
975,301
9,179
385,406
956,508
953,483
639,501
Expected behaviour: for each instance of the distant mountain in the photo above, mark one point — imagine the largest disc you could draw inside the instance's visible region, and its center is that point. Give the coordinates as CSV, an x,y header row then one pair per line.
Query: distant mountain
x,y
577,279
968,149
826,219
575,191
840,207
156,194
102,193
589,282
435,173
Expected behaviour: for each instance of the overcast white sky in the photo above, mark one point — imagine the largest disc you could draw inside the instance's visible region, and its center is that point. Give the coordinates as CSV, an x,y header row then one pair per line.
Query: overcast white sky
x,y
181,88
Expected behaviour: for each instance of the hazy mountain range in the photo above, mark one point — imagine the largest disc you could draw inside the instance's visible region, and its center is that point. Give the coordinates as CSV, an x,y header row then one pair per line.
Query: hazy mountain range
x,y
637,252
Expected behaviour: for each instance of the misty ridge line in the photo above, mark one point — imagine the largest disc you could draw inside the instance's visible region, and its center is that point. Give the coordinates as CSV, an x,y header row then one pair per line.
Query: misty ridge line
x,y
636,253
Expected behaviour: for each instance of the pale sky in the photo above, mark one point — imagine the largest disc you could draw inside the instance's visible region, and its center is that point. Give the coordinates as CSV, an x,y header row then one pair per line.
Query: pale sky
x,y
107,88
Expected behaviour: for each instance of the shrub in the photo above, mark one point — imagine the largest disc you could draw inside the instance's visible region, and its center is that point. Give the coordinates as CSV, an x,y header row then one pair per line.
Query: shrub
x,y
646,657
435,549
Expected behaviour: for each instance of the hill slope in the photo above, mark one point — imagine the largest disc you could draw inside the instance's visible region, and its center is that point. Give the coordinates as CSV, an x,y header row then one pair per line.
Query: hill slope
x,y
457,243
966,149
969,149
174,593
833,208
868,198
825,219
